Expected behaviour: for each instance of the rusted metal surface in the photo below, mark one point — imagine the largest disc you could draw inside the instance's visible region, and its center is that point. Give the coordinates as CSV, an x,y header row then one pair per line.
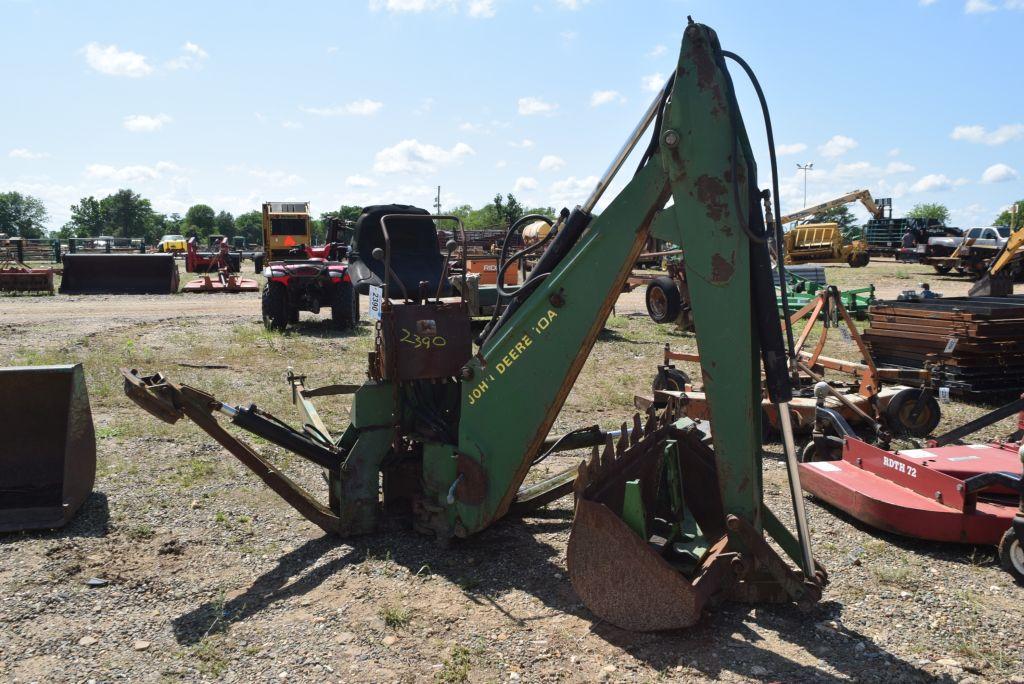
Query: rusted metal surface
x,y
17,277
48,450
423,341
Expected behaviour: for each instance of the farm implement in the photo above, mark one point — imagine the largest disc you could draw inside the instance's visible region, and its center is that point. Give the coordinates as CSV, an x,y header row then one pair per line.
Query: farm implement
x,y
119,274
18,277
669,519
219,270
944,492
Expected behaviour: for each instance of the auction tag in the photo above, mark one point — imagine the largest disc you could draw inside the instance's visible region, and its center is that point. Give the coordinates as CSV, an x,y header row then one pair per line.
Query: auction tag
x,y
951,345
376,302
944,395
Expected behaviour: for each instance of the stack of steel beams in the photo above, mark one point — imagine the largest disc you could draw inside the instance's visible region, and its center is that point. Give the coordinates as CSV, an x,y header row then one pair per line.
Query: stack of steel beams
x,y
973,345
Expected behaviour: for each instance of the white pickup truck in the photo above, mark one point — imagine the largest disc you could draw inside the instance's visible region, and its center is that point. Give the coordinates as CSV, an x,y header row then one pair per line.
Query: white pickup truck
x,y
984,242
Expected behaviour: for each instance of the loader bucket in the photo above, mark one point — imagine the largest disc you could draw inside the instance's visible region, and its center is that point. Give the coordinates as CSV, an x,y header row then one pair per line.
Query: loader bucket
x,y
999,285
119,274
48,450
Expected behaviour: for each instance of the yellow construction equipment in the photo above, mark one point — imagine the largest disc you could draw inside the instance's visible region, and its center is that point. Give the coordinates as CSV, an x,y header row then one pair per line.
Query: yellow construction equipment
x,y
823,243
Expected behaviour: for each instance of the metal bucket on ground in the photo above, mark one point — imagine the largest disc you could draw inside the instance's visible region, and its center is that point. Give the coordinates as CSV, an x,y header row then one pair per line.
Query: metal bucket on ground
x,y
48,446
119,274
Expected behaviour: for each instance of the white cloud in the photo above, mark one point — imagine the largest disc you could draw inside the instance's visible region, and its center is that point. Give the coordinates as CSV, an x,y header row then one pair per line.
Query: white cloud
x,y
481,9
23,153
837,145
572,5
424,107
550,162
898,167
415,6
936,182
500,164
192,57
529,106
652,83
276,178
525,144
129,174
524,183
657,51
978,7
107,59
364,107
412,156
925,3
978,134
602,97
572,190
894,152
293,125
999,173
358,181
331,49
569,35
143,123
790,149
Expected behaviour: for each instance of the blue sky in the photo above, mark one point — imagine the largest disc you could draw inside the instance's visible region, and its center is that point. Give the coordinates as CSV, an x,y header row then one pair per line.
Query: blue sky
x,y
363,101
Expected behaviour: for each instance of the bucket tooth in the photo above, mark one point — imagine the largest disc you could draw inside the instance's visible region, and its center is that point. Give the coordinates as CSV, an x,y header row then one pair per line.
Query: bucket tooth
x,y
607,456
638,430
651,421
623,442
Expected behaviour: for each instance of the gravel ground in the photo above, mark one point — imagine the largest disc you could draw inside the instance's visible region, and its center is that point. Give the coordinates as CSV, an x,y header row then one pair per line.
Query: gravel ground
x,y
205,575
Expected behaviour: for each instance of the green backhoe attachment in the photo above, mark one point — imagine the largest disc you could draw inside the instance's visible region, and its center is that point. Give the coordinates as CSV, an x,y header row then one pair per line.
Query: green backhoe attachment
x,y
668,518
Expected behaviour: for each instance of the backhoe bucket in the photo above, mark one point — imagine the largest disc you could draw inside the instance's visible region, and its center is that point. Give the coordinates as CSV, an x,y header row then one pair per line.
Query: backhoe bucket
x,y
48,449
119,274
999,285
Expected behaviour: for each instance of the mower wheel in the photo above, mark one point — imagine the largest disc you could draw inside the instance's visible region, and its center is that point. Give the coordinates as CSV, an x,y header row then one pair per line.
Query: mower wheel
x,y
1011,554
345,307
275,307
809,453
942,269
663,300
899,413
670,379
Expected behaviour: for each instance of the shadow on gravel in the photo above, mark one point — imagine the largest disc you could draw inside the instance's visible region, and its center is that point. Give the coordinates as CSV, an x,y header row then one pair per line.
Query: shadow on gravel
x,y
272,586
505,557
321,326
723,643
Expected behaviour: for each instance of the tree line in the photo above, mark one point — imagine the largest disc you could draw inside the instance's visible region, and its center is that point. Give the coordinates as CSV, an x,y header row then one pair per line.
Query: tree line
x,y
126,213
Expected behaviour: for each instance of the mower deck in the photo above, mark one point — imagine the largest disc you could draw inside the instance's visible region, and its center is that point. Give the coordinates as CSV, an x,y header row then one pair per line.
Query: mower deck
x,y
216,284
920,493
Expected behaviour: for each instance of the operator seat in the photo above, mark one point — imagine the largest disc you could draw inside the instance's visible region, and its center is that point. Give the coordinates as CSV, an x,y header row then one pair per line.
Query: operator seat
x,y
415,254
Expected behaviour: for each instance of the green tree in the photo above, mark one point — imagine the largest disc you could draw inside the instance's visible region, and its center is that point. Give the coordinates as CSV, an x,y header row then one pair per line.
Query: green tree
x,y
224,223
86,219
22,215
250,226
201,219
127,214
930,211
508,211
346,212
1006,218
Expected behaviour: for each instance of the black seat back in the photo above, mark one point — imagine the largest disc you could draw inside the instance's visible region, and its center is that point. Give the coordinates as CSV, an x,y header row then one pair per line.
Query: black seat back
x,y
415,255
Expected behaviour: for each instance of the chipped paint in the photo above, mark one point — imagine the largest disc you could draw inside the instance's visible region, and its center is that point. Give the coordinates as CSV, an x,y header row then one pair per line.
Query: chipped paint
x,y
721,269
711,192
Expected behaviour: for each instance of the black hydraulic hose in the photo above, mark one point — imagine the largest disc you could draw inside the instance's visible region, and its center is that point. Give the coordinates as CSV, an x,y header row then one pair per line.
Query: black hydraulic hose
x,y
652,146
775,198
504,263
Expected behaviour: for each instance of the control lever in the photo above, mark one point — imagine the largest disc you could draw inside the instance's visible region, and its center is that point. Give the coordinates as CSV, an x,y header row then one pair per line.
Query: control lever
x,y
378,254
450,247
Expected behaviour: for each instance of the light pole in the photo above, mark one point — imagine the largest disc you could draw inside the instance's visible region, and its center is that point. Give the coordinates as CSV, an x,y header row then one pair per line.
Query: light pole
x,y
805,168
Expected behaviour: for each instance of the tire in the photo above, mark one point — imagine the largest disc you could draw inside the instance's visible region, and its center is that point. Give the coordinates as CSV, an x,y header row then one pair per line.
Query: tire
x,y
293,315
1011,554
275,306
809,453
858,259
670,379
898,414
345,306
663,300
942,269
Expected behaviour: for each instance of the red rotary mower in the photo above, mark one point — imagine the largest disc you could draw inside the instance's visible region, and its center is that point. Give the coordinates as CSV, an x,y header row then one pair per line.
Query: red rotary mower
x,y
945,492
218,269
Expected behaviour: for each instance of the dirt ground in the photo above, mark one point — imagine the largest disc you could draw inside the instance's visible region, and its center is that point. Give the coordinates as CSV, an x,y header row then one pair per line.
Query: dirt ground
x,y
206,575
